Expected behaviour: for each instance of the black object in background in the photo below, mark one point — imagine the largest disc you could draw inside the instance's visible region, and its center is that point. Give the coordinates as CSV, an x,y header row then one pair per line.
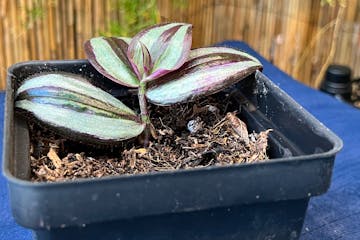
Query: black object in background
x,y
337,82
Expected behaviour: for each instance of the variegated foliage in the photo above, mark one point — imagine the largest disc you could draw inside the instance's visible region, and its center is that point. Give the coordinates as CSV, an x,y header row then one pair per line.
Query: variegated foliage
x,y
158,61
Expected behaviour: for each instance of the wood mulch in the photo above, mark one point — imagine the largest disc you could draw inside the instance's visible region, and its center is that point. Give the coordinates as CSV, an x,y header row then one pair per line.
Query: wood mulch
x,y
191,135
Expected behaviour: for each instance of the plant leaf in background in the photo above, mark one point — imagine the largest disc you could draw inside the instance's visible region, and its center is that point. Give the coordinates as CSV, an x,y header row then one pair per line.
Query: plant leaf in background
x,y
108,56
168,44
207,71
72,105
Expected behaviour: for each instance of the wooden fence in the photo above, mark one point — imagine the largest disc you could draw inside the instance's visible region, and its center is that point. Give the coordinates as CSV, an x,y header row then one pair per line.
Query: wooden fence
x,y
299,36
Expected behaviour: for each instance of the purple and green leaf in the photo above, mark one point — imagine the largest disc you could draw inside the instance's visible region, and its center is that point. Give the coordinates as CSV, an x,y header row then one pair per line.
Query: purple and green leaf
x,y
168,45
109,57
140,59
72,104
207,71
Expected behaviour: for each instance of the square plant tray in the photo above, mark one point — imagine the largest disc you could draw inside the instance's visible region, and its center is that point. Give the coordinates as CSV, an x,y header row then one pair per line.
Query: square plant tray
x,y
264,200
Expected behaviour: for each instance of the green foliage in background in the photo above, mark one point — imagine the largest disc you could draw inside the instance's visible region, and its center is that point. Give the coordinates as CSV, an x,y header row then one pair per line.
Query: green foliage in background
x,y
332,3
36,12
134,16
180,3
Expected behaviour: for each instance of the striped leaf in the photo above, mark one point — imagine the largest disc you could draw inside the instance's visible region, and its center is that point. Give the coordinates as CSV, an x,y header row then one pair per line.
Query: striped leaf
x,y
168,45
73,106
109,57
141,59
207,71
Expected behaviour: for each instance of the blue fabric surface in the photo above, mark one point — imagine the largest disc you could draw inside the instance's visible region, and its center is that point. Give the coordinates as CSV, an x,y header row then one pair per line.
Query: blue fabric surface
x,y
334,215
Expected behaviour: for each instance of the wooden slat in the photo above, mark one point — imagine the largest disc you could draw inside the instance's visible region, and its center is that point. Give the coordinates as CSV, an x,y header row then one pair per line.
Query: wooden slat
x,y
22,30
3,63
222,29
51,29
98,17
6,38
88,27
209,8
14,30
70,29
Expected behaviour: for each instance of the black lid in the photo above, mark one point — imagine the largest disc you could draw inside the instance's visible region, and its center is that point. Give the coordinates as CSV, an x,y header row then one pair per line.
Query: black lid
x,y
338,74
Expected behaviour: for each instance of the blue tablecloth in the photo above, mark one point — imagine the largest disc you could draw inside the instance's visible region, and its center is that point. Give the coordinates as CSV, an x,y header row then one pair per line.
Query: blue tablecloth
x,y
334,215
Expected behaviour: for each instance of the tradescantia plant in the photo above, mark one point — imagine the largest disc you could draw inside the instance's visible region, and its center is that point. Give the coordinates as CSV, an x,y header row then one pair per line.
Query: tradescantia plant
x,y
158,61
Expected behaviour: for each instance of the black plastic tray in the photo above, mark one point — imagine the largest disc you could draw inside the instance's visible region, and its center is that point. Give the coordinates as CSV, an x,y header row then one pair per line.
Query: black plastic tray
x,y
249,201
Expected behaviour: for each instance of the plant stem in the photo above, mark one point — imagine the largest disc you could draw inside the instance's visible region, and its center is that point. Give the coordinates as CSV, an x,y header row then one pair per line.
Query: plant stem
x,y
144,112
